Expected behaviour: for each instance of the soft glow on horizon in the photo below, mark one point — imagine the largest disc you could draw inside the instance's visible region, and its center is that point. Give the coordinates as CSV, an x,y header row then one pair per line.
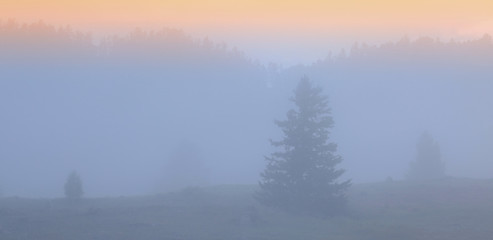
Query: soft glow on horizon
x,y
259,25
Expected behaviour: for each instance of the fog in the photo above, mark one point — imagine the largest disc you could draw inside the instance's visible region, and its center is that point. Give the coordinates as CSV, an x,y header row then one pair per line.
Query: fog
x,y
151,112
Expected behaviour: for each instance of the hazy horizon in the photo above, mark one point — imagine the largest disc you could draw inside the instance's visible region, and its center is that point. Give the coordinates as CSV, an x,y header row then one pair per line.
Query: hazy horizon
x,y
283,32
288,53
116,89
120,112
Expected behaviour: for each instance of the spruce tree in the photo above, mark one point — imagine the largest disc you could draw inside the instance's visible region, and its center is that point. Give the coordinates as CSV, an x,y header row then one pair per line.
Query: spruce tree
x,y
303,175
428,164
73,186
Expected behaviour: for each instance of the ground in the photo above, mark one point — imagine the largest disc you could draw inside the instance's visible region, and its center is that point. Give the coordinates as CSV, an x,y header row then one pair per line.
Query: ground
x,y
445,209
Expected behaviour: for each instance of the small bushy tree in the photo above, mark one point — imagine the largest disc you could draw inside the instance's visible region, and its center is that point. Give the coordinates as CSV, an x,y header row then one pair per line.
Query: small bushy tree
x,y
73,186
185,168
428,164
303,175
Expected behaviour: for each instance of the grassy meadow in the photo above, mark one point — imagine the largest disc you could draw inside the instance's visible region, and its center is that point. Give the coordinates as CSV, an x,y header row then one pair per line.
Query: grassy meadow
x,y
447,209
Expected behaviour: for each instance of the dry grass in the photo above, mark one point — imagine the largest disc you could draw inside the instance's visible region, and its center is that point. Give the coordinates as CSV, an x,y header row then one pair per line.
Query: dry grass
x,y
448,209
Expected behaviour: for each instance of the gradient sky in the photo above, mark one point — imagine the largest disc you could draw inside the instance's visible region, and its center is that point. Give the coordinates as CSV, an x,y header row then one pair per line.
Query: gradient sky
x,y
271,30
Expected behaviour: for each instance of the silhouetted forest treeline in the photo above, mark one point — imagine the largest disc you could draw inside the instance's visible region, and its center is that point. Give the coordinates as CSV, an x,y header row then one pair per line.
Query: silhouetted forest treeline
x,y
27,41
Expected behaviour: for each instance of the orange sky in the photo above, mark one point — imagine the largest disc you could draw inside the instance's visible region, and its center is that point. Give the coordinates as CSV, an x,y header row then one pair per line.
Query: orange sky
x,y
258,23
